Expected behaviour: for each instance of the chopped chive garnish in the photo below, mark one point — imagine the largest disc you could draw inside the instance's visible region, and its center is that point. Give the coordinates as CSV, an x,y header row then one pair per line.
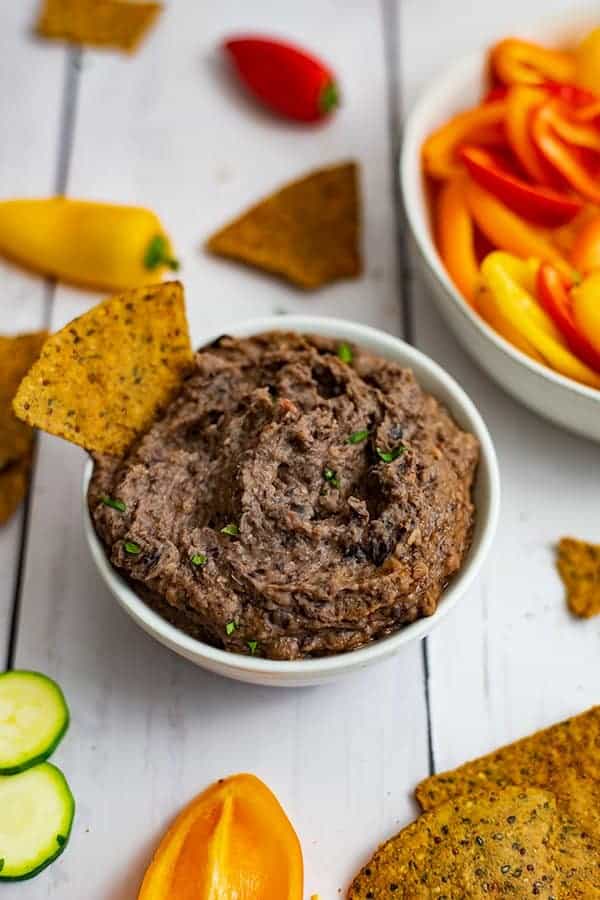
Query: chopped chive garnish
x,y
330,476
357,437
253,645
230,529
114,503
344,351
230,627
199,559
388,456
132,548
157,254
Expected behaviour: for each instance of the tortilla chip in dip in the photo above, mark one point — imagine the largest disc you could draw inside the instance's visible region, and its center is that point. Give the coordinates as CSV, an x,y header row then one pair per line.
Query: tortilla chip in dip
x,y
102,379
307,232
578,563
17,355
506,842
13,487
98,23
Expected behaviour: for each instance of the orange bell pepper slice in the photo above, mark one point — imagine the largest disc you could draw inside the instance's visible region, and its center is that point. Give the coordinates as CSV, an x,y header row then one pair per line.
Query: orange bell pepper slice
x,y
572,132
563,157
455,236
588,113
233,840
585,253
515,61
521,102
507,231
586,308
479,125
587,62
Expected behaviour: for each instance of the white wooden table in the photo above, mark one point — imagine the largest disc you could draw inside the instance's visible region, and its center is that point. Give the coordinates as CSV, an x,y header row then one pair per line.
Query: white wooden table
x,y
167,129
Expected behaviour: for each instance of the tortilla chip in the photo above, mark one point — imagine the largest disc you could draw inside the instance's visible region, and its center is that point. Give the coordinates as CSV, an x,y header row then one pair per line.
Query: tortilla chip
x,y
17,355
13,487
102,379
99,23
308,231
579,565
507,842
549,759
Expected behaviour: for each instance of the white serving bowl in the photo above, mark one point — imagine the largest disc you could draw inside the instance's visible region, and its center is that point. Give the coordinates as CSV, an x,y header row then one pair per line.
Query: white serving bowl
x,y
315,671
562,400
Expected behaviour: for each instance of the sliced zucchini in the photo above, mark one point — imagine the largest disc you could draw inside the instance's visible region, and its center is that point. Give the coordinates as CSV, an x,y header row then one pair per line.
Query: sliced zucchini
x,y
36,814
33,718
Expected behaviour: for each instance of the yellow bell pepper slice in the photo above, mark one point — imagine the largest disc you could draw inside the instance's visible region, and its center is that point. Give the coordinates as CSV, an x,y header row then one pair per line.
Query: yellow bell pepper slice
x,y
98,245
518,306
490,310
586,308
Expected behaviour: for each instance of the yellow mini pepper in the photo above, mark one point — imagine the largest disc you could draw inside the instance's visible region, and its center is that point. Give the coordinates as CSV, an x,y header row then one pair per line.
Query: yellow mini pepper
x,y
98,245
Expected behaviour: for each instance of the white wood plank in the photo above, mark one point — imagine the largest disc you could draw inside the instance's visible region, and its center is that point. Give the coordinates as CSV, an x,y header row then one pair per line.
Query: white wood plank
x,y
149,730
32,79
511,659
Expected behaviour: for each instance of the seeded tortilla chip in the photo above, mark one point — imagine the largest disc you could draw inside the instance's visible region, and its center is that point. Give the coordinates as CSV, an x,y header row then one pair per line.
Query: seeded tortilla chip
x,y
17,355
99,23
308,232
579,566
13,487
102,379
564,759
505,843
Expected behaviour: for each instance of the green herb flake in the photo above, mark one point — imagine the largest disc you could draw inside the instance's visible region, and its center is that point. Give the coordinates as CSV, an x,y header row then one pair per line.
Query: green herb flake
x,y
132,548
114,503
230,628
199,559
157,254
344,352
1,864
357,437
231,530
388,456
61,840
253,647
330,476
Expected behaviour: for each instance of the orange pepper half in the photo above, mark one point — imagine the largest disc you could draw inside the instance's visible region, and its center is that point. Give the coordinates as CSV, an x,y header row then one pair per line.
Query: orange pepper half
x,y
234,840
479,125
521,62
455,239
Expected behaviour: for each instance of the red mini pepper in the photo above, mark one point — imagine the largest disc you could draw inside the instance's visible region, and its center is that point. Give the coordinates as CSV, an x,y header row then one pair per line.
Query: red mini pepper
x,y
288,80
554,297
539,204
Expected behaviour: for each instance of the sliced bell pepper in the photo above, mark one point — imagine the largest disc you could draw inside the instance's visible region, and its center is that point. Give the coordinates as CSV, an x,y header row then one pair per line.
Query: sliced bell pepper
x,y
455,238
554,297
521,102
490,310
588,113
516,61
586,308
581,135
477,125
232,841
539,204
572,94
509,232
585,254
587,61
516,304
564,158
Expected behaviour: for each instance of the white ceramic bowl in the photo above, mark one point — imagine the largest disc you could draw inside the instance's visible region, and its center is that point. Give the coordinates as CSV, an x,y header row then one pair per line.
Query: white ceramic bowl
x,y
316,671
567,403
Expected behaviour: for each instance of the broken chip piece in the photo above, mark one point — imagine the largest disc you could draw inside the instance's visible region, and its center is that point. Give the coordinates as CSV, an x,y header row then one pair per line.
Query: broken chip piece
x,y
578,563
102,379
307,232
98,23
17,355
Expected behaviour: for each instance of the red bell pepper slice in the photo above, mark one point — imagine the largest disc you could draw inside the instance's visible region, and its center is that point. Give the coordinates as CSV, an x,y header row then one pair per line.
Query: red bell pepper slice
x,y
554,298
571,94
565,159
539,204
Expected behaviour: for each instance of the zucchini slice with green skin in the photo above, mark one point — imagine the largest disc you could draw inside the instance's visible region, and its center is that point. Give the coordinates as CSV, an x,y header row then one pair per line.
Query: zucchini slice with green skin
x,y
33,718
36,814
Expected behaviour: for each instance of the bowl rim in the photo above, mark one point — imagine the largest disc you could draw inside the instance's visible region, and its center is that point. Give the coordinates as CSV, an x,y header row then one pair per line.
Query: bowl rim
x,y
412,183
196,649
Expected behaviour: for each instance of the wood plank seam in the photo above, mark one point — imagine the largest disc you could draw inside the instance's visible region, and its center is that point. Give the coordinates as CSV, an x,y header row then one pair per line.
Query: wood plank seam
x,y
391,44
66,135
